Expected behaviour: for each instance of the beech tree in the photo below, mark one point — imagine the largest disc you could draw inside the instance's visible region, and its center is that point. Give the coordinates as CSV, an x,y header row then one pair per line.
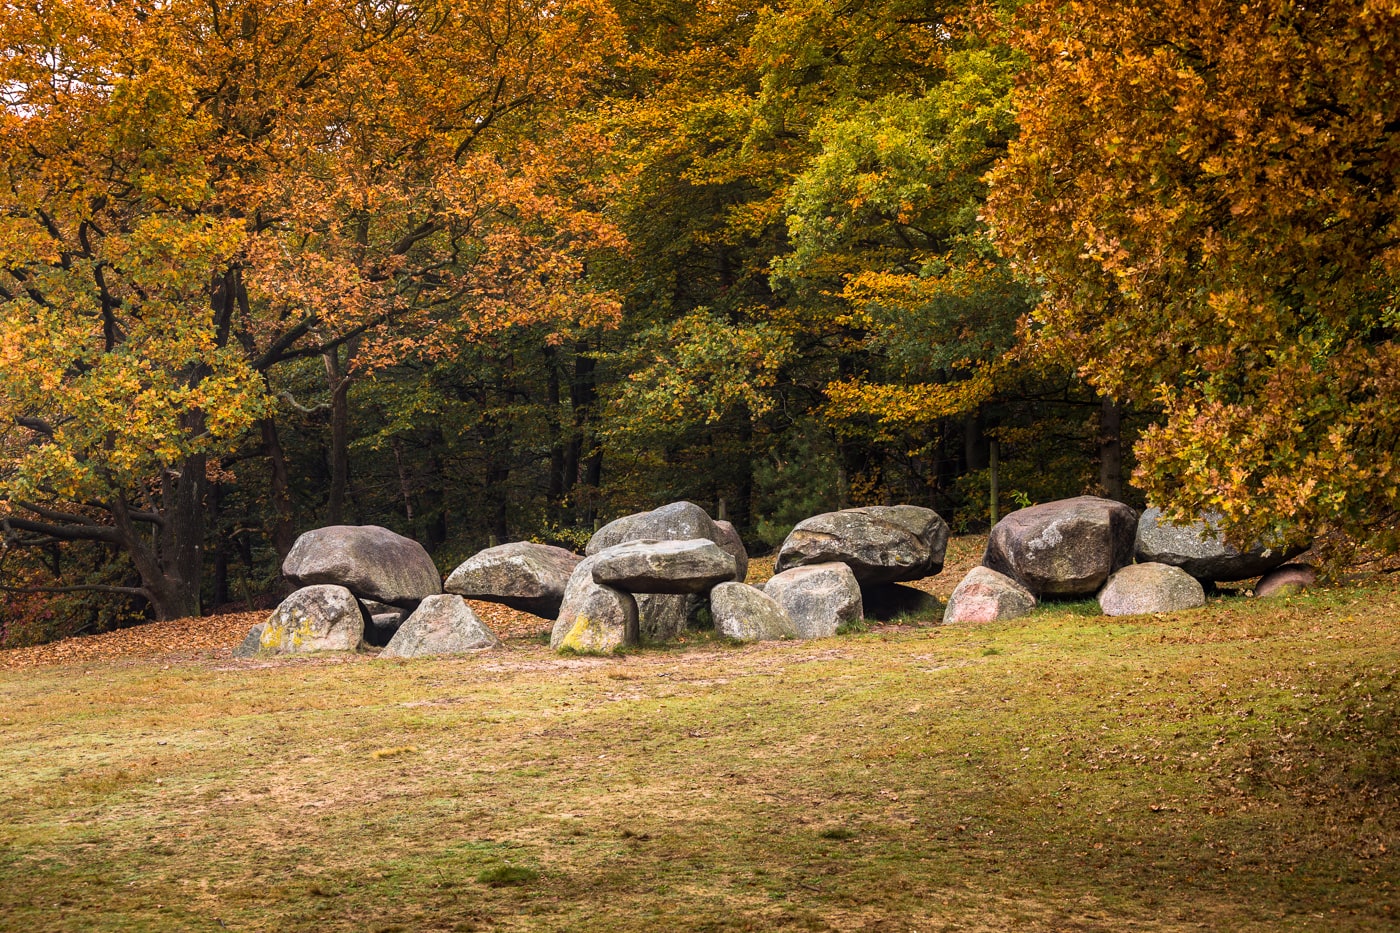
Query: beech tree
x,y
1207,196
194,193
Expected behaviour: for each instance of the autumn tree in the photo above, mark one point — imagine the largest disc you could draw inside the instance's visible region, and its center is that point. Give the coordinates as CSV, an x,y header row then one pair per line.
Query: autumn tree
x,y
1207,196
194,194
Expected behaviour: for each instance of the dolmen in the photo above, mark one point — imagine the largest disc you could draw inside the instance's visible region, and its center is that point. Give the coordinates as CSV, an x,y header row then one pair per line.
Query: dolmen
x,y
882,546
1133,565
651,575
365,586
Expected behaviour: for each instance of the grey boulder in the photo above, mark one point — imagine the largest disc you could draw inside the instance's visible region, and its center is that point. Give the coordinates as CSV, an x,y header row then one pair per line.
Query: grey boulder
x,y
372,562
593,618
1200,549
1288,580
1139,589
1063,549
314,618
523,575
746,613
691,566
442,624
880,543
727,537
679,521
819,598
251,643
987,596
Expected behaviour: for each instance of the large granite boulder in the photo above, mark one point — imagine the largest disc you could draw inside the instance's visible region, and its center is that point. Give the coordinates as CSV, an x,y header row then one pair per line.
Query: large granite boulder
x,y
1066,548
746,613
728,538
523,575
1140,589
594,618
314,618
987,596
880,543
442,624
819,598
692,566
1200,549
372,562
1288,580
606,621
679,521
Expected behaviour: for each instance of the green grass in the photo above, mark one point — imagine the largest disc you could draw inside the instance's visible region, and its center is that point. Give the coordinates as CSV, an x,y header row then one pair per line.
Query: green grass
x,y
1236,768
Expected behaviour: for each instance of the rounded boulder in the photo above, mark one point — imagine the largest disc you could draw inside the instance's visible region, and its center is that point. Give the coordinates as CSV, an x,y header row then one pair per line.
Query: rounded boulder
x,y
1141,589
880,543
819,598
523,575
987,596
370,561
1067,548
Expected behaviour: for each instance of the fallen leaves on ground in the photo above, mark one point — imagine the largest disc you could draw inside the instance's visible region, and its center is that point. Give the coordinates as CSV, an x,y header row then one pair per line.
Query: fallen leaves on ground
x,y
186,639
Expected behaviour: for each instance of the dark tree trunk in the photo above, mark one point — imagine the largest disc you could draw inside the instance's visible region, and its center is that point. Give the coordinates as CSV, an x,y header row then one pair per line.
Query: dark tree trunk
x,y
558,483
221,544
338,379
741,508
497,473
283,530
1111,448
974,444
434,495
584,459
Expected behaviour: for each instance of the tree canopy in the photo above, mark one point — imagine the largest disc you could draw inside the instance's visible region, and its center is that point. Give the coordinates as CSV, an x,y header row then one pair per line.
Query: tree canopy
x,y
1206,197
490,269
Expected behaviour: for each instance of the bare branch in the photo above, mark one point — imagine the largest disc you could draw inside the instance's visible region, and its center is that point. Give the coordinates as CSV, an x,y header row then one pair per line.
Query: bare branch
x,y
81,588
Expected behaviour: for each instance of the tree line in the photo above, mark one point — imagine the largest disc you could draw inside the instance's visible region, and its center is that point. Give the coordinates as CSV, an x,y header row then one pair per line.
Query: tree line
x,y
485,270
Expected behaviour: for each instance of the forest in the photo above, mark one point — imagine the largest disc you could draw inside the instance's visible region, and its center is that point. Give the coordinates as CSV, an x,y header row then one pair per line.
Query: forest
x,y
501,270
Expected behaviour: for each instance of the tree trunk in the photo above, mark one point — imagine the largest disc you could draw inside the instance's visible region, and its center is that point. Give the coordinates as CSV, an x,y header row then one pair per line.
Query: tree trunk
x,y
221,544
434,494
338,379
283,531
558,482
584,458
1111,448
169,558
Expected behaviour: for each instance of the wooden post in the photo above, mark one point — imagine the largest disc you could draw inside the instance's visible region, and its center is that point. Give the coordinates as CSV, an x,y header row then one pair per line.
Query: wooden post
x,y
994,467
721,512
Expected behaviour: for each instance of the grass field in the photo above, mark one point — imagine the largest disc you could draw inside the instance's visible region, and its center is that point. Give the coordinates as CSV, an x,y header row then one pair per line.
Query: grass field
x,y
1236,768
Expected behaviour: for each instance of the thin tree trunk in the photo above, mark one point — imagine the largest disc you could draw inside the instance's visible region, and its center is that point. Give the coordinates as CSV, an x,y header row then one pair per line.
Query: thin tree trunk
x,y
221,544
1111,448
338,378
282,527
